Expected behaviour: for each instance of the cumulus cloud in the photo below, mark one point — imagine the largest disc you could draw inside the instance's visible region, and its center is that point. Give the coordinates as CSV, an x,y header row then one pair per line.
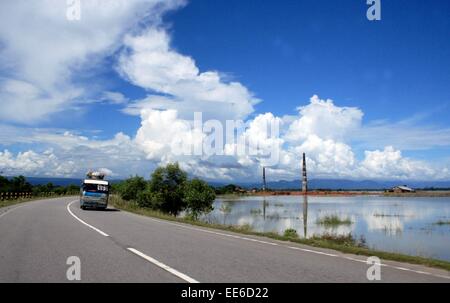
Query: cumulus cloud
x,y
327,157
164,137
69,155
40,55
32,163
324,119
389,163
260,144
151,63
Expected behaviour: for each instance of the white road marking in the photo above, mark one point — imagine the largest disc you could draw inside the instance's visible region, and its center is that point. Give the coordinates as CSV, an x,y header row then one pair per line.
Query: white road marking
x,y
292,247
163,266
313,251
137,252
88,225
10,210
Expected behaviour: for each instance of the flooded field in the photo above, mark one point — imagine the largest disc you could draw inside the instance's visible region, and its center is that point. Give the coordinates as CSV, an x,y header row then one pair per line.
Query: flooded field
x,y
414,226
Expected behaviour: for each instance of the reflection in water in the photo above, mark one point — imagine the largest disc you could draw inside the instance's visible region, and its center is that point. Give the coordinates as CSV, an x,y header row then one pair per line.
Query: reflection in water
x,y
264,208
390,225
225,209
305,216
404,225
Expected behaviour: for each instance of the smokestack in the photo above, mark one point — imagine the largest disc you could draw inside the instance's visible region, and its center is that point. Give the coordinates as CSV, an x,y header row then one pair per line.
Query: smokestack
x,y
264,178
305,179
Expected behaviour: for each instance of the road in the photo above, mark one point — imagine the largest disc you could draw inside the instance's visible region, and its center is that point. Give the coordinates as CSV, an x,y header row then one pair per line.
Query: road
x,y
38,237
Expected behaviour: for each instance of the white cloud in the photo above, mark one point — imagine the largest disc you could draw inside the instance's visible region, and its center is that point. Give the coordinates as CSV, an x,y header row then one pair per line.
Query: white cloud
x,y
325,120
164,137
260,144
114,97
149,62
389,163
327,157
32,163
69,155
42,52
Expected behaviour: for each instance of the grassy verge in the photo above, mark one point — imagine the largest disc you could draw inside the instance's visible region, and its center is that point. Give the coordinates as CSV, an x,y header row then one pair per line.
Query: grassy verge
x,y
7,203
345,244
333,220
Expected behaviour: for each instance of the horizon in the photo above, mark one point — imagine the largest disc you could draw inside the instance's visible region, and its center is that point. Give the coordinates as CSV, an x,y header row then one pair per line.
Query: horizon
x,y
365,100
337,183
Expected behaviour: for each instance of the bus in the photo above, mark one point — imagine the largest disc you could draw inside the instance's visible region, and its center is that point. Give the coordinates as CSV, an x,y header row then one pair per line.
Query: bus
x,y
94,193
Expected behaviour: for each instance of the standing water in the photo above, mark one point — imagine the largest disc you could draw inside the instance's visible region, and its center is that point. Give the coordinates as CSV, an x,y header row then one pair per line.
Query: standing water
x,y
414,226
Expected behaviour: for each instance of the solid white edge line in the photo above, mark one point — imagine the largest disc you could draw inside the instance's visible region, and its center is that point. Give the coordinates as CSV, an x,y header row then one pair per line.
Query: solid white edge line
x,y
163,266
88,225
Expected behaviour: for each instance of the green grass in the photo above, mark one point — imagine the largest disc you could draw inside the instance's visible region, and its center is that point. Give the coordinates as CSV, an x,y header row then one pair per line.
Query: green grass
x,y
345,244
290,233
333,220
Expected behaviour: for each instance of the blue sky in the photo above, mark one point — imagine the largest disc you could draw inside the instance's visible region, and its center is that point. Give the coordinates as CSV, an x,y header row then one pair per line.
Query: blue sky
x,y
387,82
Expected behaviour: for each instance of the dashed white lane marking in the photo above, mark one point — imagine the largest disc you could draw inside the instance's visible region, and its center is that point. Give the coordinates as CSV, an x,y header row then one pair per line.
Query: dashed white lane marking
x,y
163,266
10,210
137,252
297,248
88,225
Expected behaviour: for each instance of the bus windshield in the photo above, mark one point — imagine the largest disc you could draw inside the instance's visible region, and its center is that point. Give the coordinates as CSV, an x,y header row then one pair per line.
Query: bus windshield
x,y
95,188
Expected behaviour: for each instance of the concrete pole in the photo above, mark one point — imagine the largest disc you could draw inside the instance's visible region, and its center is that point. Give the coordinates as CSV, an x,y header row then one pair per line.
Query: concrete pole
x,y
264,179
305,179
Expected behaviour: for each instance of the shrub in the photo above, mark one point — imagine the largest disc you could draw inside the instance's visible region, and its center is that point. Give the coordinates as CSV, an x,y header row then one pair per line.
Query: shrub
x,y
168,183
198,197
291,233
131,187
149,199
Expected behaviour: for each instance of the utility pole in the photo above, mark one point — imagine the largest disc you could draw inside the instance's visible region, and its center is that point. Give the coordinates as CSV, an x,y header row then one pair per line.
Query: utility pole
x,y
264,178
305,179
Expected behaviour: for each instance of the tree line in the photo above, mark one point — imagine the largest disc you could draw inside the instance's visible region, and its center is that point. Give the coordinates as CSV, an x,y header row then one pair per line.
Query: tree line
x,y
170,191
19,184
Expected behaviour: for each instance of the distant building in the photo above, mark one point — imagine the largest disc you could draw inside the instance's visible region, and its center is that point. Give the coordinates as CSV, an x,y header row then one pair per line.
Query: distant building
x,y
402,189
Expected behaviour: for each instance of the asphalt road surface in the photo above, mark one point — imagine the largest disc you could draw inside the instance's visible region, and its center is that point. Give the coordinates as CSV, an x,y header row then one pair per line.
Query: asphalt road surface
x,y
37,238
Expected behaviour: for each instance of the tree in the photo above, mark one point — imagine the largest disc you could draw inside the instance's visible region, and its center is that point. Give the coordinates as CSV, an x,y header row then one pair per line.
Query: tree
x,y
20,184
131,187
4,184
167,184
198,197
49,187
149,199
